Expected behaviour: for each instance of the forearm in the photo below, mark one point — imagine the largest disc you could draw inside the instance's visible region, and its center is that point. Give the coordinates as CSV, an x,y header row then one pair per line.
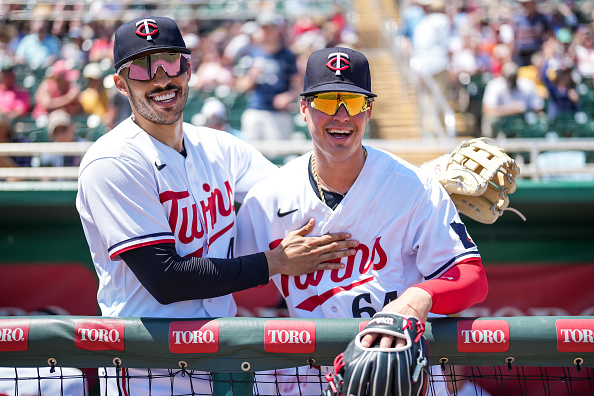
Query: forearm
x,y
413,301
459,288
171,278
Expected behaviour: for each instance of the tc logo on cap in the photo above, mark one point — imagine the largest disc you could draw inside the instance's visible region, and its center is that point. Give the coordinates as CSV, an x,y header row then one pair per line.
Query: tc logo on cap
x,y
338,58
147,25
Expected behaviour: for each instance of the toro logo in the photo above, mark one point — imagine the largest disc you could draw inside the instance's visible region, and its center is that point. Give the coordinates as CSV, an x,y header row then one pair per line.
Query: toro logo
x,y
14,335
99,334
483,336
288,336
197,336
575,335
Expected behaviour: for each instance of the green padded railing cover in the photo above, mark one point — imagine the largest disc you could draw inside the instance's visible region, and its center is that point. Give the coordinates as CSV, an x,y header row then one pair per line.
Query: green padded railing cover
x,y
228,345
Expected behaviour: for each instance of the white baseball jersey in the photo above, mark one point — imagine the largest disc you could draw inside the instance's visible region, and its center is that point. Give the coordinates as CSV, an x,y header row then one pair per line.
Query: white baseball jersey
x,y
407,226
135,191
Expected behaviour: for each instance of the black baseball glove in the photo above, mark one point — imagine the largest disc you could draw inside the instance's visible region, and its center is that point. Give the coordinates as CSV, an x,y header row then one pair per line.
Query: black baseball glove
x,y
375,371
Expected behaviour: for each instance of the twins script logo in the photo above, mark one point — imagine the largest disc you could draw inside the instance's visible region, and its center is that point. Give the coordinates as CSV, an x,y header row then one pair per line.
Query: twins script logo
x,y
365,260
197,336
288,336
144,28
338,58
575,335
475,336
99,334
14,335
194,225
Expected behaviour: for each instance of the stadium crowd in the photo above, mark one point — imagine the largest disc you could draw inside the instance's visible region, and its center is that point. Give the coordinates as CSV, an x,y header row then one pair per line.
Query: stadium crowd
x,y
493,60
522,60
54,66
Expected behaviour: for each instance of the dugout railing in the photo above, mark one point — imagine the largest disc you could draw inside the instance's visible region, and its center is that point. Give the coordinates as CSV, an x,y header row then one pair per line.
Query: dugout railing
x,y
242,346
528,151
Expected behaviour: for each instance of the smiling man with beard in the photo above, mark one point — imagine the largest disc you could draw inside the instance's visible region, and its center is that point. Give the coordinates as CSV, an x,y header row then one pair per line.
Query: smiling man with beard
x,y
156,200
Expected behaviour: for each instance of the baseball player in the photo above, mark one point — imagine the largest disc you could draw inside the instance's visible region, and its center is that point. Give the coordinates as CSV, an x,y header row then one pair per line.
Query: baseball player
x,y
156,200
414,254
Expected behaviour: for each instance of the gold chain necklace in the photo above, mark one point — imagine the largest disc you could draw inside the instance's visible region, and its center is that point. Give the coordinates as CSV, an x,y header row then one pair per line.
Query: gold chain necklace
x,y
318,179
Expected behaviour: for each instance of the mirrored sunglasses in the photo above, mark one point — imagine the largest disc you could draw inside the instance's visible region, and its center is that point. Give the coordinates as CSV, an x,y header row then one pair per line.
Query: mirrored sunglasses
x,y
329,102
145,68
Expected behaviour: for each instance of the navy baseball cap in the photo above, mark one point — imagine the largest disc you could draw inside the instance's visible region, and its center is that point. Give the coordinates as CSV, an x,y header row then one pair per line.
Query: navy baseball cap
x,y
144,36
337,69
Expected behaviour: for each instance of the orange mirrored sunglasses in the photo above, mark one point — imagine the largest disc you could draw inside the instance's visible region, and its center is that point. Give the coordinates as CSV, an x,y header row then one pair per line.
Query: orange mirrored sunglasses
x,y
329,102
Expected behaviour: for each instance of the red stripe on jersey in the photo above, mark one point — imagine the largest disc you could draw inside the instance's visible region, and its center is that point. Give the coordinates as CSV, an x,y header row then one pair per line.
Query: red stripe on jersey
x,y
122,250
459,288
199,252
315,301
218,234
124,389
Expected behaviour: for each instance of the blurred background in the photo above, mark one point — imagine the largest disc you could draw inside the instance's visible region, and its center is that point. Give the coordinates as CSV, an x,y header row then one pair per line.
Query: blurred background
x,y
520,72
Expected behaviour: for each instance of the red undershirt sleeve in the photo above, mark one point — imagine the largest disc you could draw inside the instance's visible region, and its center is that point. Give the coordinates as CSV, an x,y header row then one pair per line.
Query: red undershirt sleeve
x,y
459,288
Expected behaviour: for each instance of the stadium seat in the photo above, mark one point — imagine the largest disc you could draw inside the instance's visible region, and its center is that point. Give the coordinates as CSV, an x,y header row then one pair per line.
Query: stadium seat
x,y
578,124
30,129
529,125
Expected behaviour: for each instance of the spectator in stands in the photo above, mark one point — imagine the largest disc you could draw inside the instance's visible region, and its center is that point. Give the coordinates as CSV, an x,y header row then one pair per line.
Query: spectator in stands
x,y
40,48
7,135
272,81
60,128
464,64
531,30
14,100
508,95
240,43
60,90
72,48
94,98
532,73
102,47
411,16
563,17
430,57
212,71
214,115
584,51
562,95
430,42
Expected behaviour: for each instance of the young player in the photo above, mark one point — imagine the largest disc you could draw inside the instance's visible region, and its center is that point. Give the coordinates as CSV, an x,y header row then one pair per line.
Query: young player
x,y
414,255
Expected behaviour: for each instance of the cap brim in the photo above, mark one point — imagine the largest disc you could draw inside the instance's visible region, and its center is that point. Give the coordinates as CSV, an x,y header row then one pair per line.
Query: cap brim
x,y
337,87
152,50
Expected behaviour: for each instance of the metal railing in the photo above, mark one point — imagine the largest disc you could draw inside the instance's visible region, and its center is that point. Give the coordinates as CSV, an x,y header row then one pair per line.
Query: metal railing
x,y
531,168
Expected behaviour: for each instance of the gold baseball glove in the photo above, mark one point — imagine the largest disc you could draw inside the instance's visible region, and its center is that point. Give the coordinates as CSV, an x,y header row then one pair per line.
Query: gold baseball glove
x,y
478,176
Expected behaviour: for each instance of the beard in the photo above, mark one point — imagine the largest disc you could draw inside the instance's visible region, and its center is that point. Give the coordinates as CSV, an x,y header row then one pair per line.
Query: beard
x,y
166,116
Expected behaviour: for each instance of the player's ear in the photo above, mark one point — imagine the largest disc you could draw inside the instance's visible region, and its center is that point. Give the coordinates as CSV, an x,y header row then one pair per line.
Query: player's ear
x,y
120,84
303,108
369,110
